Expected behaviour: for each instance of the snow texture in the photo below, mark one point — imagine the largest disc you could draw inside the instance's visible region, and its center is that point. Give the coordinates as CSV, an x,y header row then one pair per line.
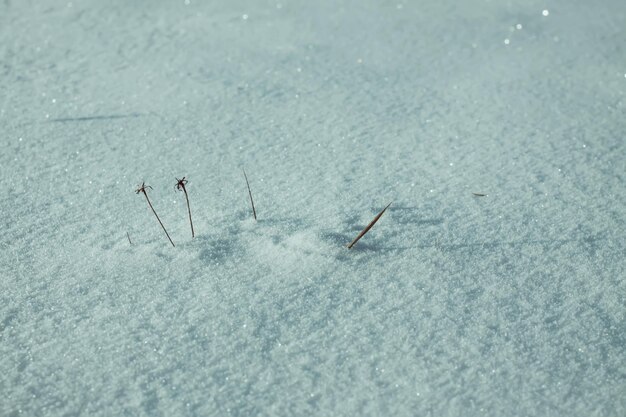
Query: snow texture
x,y
511,304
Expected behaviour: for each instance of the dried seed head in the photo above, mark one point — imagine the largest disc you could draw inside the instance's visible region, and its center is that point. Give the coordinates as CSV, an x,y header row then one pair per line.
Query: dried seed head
x,y
180,185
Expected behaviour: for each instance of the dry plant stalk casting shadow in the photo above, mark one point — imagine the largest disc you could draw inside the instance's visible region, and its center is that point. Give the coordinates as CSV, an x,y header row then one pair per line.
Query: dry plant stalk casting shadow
x,y
368,227
142,189
180,185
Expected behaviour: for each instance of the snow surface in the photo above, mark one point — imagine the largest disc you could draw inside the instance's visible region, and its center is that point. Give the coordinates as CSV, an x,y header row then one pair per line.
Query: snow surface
x,y
511,304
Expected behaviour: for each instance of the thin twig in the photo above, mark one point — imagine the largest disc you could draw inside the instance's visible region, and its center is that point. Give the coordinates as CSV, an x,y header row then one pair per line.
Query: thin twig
x,y
181,185
128,236
250,194
479,194
368,227
142,189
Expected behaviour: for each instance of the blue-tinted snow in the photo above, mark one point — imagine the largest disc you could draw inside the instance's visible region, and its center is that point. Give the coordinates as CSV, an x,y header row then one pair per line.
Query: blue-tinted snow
x,y
509,304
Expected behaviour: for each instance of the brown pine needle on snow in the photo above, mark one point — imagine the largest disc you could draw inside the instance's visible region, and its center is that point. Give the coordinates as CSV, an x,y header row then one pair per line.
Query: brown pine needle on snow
x,y
142,189
180,185
250,194
368,227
